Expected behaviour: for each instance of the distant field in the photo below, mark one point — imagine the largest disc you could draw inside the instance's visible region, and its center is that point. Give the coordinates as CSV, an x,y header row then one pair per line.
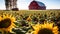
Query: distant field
x,y
31,11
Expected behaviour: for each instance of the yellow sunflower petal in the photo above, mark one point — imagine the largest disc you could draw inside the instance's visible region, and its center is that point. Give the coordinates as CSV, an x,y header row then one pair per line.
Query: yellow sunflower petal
x,y
46,25
9,20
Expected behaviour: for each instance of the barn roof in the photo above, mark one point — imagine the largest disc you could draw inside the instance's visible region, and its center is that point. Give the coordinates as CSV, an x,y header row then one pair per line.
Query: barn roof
x,y
40,3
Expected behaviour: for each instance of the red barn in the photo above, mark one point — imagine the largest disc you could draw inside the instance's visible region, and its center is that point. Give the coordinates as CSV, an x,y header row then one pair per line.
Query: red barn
x,y
36,5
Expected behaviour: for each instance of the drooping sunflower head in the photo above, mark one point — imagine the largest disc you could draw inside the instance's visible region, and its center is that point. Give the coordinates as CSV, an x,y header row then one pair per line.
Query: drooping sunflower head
x,y
46,28
7,22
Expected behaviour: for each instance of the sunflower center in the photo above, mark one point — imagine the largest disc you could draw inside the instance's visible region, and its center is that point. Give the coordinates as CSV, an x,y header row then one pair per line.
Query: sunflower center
x,y
45,31
5,23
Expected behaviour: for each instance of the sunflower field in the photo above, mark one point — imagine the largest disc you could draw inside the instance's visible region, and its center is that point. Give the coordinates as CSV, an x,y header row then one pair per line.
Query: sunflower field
x,y
30,22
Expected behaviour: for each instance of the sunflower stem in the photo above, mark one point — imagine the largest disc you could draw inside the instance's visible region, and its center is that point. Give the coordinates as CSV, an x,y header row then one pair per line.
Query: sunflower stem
x,y
2,32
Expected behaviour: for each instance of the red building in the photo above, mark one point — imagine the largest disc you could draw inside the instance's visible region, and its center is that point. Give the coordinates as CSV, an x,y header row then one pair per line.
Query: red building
x,y
36,5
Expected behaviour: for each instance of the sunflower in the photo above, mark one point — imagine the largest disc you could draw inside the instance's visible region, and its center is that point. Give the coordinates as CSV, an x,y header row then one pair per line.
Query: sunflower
x,y
46,28
29,18
6,23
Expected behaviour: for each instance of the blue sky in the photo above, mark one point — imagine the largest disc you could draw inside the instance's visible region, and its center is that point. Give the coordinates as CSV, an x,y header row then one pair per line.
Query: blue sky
x,y
23,4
